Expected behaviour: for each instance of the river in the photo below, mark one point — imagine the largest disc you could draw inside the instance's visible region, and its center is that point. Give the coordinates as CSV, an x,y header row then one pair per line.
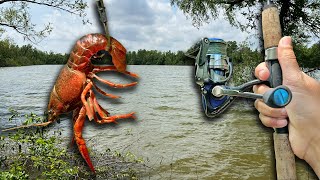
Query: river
x,y
170,132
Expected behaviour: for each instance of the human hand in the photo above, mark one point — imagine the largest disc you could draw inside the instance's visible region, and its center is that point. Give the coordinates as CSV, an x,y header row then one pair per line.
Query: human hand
x,y
303,111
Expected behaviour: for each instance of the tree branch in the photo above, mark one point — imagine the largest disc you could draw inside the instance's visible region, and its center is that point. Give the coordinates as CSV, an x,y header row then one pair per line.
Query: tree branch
x,y
17,29
14,27
231,2
314,26
17,16
40,3
311,70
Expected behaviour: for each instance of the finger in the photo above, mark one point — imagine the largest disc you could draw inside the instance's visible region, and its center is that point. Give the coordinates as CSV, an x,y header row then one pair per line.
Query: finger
x,y
287,59
273,122
262,72
260,89
269,111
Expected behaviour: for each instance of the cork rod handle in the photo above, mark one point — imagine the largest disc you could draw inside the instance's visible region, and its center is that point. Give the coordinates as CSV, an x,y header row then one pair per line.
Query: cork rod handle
x,y
271,28
285,159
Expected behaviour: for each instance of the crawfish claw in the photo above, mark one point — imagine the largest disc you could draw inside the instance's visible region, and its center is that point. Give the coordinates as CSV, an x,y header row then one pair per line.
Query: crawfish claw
x,y
85,154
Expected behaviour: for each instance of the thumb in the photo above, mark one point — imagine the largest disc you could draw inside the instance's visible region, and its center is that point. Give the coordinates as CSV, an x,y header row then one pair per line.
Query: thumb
x,y
287,60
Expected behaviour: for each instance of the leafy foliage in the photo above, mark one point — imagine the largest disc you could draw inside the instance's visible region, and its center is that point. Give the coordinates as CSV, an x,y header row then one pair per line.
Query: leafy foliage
x,y
38,154
308,57
13,55
14,14
33,149
154,57
298,18
244,61
242,55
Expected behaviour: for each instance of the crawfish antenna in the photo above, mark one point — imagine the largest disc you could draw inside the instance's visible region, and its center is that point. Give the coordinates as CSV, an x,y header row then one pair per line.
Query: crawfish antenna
x,y
26,126
104,20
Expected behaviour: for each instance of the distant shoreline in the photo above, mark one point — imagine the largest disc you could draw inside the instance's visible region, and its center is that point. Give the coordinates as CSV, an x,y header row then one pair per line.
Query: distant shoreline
x,y
12,55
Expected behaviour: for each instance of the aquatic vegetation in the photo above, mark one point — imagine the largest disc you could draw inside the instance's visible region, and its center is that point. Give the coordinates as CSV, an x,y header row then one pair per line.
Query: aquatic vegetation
x,y
38,153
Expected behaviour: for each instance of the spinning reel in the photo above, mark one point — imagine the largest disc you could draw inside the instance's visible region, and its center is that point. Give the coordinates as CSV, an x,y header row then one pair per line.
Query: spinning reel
x,y
213,70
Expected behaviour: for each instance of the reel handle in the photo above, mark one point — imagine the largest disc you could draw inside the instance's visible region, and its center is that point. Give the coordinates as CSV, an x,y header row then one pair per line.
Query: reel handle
x,y
285,159
278,97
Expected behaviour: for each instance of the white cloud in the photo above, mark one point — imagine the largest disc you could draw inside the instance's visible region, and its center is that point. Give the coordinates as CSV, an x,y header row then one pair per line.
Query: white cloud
x,y
139,24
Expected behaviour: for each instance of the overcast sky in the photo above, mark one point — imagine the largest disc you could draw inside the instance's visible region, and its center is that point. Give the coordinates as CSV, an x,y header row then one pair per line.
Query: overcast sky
x,y
137,24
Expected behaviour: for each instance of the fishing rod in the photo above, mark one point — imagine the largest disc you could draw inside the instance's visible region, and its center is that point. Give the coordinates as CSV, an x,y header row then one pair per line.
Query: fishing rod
x,y
285,159
104,20
213,70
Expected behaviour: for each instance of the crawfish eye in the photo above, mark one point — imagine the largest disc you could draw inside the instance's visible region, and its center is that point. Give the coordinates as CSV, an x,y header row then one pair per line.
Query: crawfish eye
x,y
49,114
46,113
98,56
101,57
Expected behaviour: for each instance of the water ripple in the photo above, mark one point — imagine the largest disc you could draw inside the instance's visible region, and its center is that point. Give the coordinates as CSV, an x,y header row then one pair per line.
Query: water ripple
x,y
170,133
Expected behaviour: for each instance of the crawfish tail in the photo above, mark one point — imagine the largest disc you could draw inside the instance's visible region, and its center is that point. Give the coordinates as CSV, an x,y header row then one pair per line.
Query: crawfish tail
x,y
87,46
90,44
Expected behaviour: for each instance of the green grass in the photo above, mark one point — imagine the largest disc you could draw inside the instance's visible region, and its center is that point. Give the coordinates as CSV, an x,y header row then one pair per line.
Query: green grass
x,y
35,154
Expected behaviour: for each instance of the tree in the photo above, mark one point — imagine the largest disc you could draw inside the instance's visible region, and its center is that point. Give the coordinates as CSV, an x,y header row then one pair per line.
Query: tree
x,y
299,18
315,55
14,14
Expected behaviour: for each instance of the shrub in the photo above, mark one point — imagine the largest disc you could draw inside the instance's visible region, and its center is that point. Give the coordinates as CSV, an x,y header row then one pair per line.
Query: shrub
x,y
34,153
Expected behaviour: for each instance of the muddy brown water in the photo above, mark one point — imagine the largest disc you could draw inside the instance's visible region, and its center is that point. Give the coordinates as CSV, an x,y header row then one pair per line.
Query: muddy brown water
x,y
170,132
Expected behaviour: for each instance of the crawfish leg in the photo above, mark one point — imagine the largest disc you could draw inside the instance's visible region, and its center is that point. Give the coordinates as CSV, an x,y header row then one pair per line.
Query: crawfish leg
x,y
97,69
104,93
112,119
75,116
91,104
110,83
102,112
105,114
112,68
84,101
77,128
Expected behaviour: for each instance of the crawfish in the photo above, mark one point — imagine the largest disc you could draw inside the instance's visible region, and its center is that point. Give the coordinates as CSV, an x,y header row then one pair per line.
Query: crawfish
x,y
73,88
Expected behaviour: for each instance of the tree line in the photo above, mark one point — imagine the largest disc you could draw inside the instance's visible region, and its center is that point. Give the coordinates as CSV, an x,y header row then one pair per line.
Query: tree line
x,y
154,57
13,55
240,53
